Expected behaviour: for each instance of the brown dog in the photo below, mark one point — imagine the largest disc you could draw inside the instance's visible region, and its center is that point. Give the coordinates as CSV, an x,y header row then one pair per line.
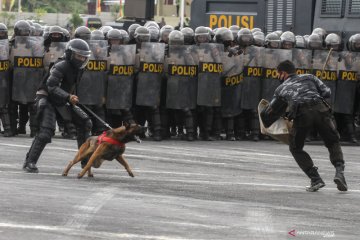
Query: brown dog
x,y
108,146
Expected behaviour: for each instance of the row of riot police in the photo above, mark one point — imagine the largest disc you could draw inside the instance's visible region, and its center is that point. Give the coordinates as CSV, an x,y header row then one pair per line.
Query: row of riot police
x,y
190,83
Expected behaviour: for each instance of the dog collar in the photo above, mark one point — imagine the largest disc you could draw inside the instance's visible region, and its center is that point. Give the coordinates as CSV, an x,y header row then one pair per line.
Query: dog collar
x,y
103,138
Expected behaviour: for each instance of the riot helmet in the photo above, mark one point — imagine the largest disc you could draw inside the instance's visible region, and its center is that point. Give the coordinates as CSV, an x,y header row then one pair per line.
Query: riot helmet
x,y
151,23
38,30
333,41
142,34
154,33
56,34
254,30
202,35
224,36
97,35
300,41
3,31
22,28
245,37
234,29
354,43
105,30
77,51
66,34
321,32
116,37
188,36
272,40
131,30
279,32
164,33
315,42
287,40
83,33
259,39
176,38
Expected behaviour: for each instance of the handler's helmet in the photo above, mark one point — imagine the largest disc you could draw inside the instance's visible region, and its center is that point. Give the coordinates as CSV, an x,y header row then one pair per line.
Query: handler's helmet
x,y
77,47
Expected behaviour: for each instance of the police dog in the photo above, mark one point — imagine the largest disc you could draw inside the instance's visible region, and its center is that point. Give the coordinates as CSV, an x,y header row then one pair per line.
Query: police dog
x,y
107,146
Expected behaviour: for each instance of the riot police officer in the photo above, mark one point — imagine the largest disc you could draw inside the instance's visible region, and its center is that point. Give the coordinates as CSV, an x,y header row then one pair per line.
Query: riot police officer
x,y
121,56
131,31
56,95
83,33
4,81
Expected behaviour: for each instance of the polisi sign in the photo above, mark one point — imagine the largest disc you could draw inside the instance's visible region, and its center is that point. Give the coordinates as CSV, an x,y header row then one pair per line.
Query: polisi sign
x,y
226,20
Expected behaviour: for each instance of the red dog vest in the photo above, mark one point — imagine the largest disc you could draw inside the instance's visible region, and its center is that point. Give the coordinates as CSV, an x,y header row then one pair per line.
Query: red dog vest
x,y
103,138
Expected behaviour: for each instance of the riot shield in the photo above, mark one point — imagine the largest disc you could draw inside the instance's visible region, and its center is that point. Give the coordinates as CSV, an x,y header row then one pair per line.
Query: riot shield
x,y
232,82
91,88
253,72
150,74
302,60
325,68
120,77
270,78
27,57
4,73
348,68
209,76
55,51
181,78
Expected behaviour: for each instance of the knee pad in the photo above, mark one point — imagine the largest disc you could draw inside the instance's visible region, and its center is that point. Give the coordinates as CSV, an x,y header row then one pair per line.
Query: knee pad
x,y
45,135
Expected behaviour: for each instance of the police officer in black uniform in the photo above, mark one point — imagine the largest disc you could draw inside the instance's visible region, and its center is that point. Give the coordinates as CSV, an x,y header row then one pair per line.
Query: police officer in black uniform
x,y
56,95
304,95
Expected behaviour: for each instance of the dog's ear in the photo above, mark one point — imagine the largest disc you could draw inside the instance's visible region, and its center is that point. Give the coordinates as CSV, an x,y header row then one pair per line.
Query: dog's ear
x,y
118,130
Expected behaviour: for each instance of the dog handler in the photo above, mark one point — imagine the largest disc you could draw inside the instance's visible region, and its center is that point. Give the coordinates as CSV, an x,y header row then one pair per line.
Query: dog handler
x,y
55,95
304,96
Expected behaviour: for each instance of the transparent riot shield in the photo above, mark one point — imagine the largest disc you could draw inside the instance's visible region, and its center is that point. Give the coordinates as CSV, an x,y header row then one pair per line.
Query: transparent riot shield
x,y
348,69
325,64
270,78
91,88
27,57
55,51
120,77
150,74
253,72
302,60
181,78
4,73
209,77
232,82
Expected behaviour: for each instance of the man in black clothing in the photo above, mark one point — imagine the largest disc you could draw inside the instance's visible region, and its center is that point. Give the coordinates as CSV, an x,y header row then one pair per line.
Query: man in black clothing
x,y
55,95
304,96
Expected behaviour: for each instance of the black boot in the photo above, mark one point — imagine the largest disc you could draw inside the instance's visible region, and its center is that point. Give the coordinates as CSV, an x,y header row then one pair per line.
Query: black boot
x,y
33,155
316,181
5,119
339,178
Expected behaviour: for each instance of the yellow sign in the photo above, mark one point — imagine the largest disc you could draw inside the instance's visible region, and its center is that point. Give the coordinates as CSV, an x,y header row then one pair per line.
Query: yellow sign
x,y
348,75
4,65
217,21
271,73
303,71
234,80
211,67
28,62
253,71
326,75
183,70
152,67
96,65
122,70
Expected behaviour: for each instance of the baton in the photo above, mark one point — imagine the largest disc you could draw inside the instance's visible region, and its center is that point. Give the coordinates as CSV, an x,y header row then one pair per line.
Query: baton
x,y
96,116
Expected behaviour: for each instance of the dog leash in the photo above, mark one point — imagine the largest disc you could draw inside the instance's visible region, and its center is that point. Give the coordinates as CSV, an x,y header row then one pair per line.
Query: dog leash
x,y
96,116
